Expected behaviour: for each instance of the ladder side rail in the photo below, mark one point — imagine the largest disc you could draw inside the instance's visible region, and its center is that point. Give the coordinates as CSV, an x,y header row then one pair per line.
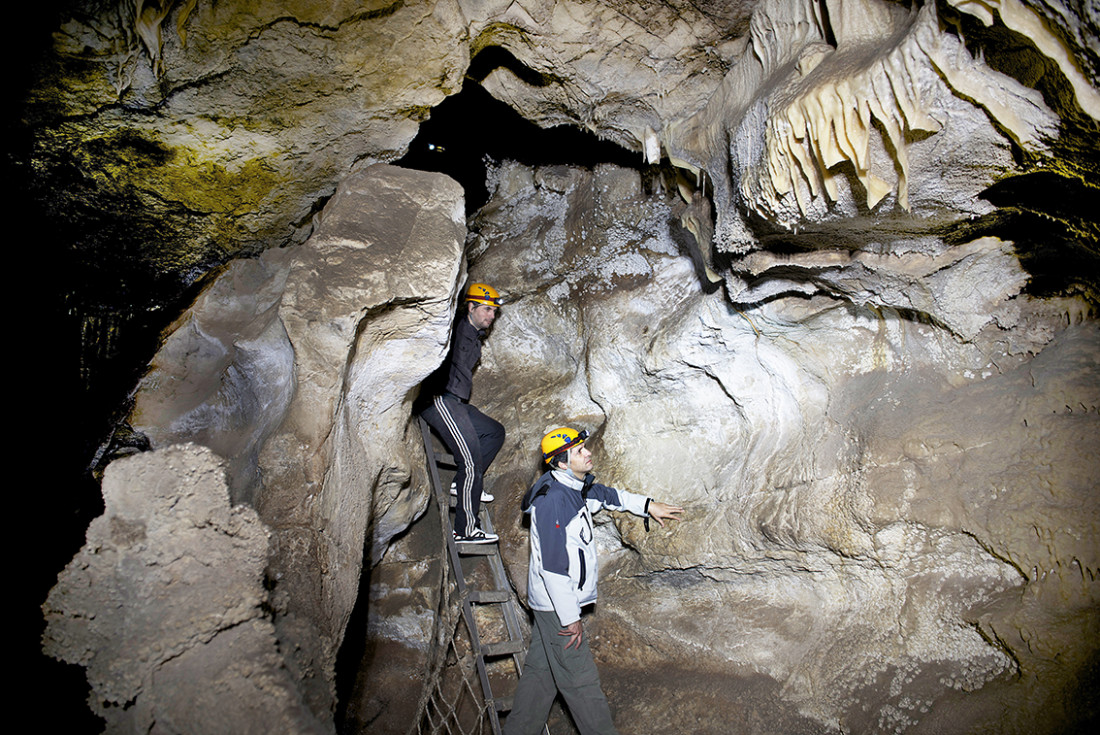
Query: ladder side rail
x,y
443,499
479,660
510,609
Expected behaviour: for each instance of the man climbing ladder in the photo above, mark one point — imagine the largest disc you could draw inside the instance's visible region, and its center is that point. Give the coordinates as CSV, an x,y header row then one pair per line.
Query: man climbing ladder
x,y
472,437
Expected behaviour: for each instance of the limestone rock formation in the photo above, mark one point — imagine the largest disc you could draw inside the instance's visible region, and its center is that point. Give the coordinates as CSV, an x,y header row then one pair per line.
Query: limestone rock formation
x,y
164,605
866,498
300,367
212,114
212,129
814,320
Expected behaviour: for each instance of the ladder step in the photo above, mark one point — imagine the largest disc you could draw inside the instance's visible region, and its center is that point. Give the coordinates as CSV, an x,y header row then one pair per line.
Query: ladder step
x,y
484,596
504,648
476,549
503,704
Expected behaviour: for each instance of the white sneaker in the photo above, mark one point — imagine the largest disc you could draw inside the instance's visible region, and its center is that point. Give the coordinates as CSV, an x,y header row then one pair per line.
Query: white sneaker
x,y
485,497
477,537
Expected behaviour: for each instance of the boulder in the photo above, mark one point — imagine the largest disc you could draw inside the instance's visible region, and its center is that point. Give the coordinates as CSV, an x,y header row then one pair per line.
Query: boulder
x,y
164,606
300,368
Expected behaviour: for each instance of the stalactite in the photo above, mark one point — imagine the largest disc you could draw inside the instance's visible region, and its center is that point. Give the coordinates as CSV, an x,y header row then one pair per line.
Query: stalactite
x,y
1025,21
831,118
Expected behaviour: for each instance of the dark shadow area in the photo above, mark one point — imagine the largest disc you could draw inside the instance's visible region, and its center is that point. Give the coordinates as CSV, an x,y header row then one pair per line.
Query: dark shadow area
x,y
73,400
353,653
1054,223
380,672
472,125
1052,213
1060,198
1016,55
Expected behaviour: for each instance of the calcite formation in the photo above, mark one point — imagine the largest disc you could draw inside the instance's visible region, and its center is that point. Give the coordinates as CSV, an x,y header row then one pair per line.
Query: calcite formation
x,y
216,125
162,606
856,498
806,320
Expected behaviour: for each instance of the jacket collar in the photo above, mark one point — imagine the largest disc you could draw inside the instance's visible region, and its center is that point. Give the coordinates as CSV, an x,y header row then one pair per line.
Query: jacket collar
x,y
567,478
563,477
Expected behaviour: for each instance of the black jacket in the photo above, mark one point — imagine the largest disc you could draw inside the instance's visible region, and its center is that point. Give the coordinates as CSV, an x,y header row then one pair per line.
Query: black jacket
x,y
456,374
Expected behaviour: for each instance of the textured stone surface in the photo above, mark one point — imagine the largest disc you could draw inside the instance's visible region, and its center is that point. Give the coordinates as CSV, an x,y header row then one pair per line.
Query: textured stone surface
x,y
851,476
213,129
886,447
162,606
300,367
224,375
388,648
230,135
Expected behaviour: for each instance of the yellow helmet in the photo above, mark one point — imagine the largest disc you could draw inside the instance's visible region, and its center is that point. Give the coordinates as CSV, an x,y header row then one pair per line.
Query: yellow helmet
x,y
560,440
483,293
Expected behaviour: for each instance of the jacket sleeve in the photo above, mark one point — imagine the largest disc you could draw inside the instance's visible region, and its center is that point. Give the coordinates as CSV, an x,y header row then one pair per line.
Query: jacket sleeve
x,y
555,561
614,499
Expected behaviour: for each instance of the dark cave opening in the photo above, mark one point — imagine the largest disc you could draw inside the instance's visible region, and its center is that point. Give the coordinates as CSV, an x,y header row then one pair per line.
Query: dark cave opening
x,y
470,130
1049,211
472,126
1052,221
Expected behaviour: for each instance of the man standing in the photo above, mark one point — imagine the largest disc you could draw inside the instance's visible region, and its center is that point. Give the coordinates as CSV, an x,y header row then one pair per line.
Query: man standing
x,y
561,580
472,437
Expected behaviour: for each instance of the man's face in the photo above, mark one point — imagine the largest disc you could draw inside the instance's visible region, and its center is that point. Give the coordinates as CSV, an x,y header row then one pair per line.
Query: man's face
x,y
482,315
580,460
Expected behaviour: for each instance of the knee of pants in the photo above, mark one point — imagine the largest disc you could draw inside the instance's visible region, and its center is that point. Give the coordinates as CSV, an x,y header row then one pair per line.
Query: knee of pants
x,y
471,463
583,676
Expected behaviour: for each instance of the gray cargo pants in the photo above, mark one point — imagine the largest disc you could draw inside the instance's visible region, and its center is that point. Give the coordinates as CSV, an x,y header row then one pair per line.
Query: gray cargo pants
x,y
551,669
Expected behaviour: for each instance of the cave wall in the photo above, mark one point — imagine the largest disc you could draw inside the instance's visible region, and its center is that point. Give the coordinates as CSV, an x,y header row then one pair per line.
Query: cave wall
x,y
167,139
300,367
885,443
862,524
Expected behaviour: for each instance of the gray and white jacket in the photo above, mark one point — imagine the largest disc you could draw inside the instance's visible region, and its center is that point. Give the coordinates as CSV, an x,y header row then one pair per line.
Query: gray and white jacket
x,y
564,568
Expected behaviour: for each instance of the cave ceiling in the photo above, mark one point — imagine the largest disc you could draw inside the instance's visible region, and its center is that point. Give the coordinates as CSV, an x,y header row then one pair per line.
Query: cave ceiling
x,y
164,139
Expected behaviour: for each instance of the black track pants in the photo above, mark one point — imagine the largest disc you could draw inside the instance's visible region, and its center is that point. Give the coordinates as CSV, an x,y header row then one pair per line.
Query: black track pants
x,y
474,439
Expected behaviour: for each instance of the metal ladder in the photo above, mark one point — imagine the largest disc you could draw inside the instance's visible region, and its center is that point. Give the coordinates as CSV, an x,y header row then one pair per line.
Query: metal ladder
x,y
500,595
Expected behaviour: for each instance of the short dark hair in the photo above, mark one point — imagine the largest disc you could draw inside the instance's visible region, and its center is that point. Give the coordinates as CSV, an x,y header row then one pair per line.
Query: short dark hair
x,y
562,456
